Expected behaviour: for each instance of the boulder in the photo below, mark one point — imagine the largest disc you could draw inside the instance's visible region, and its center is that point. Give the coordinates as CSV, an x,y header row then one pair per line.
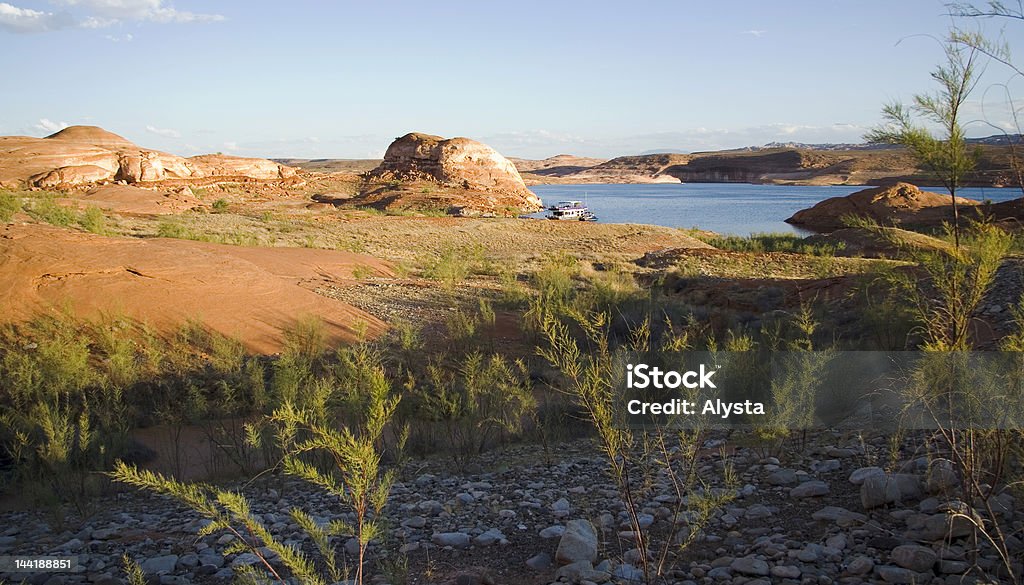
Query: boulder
x,y
456,175
881,489
579,543
901,203
914,557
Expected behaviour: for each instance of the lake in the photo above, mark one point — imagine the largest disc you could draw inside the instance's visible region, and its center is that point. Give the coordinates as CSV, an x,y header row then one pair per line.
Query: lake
x,y
726,208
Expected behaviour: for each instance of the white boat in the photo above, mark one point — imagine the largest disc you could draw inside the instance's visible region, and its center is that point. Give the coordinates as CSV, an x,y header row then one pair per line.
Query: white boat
x,y
571,211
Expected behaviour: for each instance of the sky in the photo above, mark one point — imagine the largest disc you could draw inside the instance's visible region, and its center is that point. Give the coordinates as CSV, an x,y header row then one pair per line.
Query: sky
x,y
314,79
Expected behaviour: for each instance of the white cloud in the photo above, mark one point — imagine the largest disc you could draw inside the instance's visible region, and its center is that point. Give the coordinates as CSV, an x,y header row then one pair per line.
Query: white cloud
x,y
49,126
140,10
755,33
95,14
125,38
165,132
26,20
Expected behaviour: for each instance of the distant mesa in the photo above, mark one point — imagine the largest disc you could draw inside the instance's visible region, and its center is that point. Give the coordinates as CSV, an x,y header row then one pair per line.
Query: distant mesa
x,y
83,156
456,175
902,204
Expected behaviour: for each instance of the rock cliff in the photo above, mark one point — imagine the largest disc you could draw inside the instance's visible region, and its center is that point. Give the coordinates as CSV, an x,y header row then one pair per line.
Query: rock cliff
x,y
457,175
902,204
88,155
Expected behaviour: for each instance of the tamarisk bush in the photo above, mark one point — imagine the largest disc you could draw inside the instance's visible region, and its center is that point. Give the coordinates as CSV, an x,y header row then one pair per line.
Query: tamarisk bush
x,y
344,461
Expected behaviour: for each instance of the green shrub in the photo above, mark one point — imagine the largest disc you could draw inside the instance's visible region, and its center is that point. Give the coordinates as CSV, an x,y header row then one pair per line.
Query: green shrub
x,y
93,220
770,242
9,205
454,264
220,206
48,210
171,228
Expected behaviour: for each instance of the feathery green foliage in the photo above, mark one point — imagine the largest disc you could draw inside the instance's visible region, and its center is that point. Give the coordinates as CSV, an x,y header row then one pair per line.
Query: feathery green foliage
x,y
950,286
947,156
588,374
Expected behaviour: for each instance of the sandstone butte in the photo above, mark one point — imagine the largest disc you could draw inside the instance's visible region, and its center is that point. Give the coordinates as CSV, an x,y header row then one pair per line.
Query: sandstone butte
x,y
251,294
456,175
902,204
88,155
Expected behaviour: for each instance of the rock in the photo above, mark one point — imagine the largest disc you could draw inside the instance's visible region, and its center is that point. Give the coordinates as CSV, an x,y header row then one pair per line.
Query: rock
x,y
786,572
489,537
248,294
157,565
914,557
629,573
891,574
879,490
245,559
827,466
573,572
901,203
414,522
782,477
552,531
471,178
352,546
750,566
809,489
539,562
941,478
578,543
88,155
860,566
758,511
859,475
452,539
944,526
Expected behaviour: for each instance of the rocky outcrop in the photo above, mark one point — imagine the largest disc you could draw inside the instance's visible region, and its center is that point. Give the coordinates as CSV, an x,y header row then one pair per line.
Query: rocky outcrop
x,y
251,294
88,155
902,204
457,175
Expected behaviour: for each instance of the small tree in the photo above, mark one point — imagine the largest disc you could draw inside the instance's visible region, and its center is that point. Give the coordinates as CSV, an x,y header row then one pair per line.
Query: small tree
x,y
945,155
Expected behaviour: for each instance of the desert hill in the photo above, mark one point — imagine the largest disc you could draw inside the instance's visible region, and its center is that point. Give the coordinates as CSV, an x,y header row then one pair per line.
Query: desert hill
x,y
88,155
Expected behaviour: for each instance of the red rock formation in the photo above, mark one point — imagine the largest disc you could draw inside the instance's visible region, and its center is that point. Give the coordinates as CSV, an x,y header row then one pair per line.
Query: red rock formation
x,y
902,204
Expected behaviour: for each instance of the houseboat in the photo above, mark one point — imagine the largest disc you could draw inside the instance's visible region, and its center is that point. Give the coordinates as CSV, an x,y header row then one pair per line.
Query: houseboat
x,y
571,211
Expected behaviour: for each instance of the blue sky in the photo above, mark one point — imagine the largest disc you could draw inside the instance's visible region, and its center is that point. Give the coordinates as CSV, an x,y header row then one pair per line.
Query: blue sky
x,y
533,79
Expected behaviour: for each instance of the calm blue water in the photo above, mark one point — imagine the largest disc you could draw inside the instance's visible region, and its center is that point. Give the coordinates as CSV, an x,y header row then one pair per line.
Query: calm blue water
x,y
726,208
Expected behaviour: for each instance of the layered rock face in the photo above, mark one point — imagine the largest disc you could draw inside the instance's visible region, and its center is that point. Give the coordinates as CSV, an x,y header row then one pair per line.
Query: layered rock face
x,y
88,155
901,203
472,178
